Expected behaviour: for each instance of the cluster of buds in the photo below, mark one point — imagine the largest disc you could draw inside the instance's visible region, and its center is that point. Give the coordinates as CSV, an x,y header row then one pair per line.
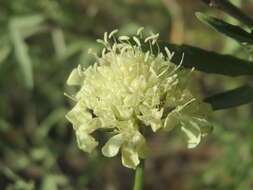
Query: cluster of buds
x,y
128,90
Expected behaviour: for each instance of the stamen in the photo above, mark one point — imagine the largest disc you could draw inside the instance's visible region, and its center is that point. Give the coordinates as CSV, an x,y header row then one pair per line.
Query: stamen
x,y
153,71
114,47
152,37
103,52
139,31
137,41
79,70
169,54
186,104
92,51
102,42
155,39
114,40
70,97
123,38
146,56
112,33
162,73
180,64
150,47
123,49
95,66
158,48
106,37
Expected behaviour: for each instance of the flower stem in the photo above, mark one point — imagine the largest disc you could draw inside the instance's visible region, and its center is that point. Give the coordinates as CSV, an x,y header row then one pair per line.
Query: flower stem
x,y
139,176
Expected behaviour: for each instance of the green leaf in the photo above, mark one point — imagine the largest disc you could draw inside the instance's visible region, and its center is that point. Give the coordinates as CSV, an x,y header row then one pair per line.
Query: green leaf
x,y
27,25
203,60
22,56
20,28
45,126
53,181
19,182
232,31
5,47
4,125
4,53
231,98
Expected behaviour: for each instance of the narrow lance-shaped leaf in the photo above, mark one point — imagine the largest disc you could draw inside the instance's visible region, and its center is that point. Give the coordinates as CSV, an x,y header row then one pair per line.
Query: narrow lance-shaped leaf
x,y
203,60
54,117
27,25
232,31
21,53
20,28
231,98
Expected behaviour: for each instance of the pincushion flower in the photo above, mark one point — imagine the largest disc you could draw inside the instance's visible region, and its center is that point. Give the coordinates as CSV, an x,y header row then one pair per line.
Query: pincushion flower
x,y
128,90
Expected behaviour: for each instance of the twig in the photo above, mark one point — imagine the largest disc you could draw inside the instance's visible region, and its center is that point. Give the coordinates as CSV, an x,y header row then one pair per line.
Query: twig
x,y
232,10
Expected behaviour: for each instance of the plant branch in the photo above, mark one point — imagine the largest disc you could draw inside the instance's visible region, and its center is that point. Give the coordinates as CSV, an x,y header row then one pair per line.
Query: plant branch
x,y
139,176
232,10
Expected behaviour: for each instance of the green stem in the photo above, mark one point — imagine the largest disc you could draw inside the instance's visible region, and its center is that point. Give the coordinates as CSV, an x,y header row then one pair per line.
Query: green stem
x,y
230,9
139,176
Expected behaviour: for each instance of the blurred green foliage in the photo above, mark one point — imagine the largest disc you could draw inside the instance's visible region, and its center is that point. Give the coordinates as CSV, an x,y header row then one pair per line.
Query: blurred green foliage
x,y
42,41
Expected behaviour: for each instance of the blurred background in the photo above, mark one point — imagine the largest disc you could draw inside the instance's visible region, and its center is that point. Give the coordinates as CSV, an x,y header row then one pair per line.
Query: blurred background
x,y
42,41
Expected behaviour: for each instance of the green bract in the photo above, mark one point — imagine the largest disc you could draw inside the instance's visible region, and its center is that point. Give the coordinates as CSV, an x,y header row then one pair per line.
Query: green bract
x,y
128,90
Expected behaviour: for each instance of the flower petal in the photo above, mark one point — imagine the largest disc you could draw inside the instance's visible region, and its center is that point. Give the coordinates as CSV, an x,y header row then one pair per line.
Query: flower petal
x,y
122,112
191,129
197,109
171,121
141,145
75,78
129,157
111,148
151,117
78,115
205,127
85,141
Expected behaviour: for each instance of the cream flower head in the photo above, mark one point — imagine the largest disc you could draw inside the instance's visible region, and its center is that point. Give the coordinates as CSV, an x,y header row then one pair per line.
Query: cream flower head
x,y
128,90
